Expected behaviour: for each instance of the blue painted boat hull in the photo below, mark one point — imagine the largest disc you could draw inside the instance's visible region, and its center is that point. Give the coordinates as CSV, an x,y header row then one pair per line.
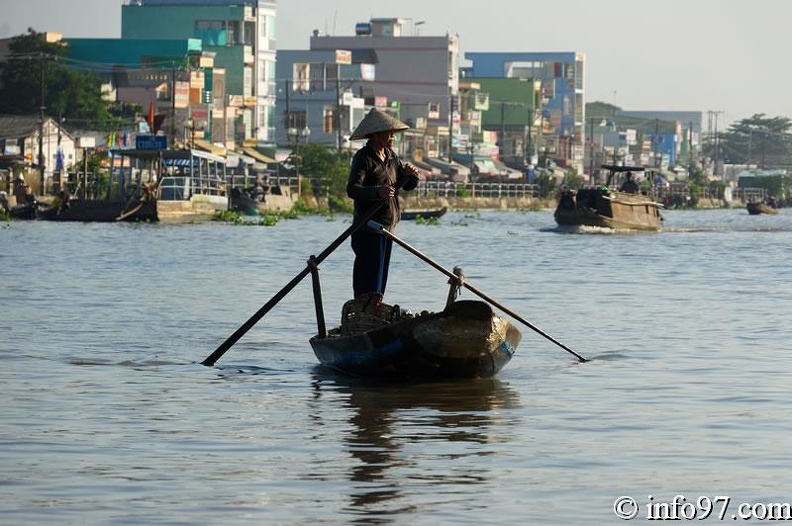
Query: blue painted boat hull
x,y
466,340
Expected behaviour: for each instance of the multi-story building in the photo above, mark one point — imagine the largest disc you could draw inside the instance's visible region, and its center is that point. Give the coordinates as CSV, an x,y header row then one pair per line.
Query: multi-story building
x,y
674,137
417,77
168,78
240,34
562,108
315,101
511,115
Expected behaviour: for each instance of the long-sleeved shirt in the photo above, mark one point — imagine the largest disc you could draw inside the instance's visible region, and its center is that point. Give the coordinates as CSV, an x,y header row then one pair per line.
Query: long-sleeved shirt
x,y
368,173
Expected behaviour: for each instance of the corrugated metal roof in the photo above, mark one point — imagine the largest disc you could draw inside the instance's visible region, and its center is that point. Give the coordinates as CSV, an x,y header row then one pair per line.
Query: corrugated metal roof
x,y
16,126
209,147
258,155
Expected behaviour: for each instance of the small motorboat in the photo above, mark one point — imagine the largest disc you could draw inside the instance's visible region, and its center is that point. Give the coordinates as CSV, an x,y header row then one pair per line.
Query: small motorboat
x,y
601,206
759,207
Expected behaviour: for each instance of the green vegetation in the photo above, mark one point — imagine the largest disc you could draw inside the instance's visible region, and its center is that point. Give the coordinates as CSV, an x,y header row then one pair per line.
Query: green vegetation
x,y
546,183
431,221
299,209
37,69
760,140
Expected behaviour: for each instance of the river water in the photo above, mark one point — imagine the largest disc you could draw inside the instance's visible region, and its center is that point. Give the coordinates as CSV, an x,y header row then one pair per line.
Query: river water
x,y
109,418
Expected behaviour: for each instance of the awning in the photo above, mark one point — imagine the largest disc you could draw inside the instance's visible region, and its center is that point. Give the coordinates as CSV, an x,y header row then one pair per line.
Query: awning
x,y
180,162
258,155
235,159
209,147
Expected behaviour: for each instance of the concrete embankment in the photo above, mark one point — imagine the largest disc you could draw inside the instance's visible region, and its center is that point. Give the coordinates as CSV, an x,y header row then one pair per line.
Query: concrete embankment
x,y
476,203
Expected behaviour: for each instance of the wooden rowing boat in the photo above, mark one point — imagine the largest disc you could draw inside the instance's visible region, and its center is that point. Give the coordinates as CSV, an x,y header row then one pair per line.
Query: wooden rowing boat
x,y
429,213
26,210
465,340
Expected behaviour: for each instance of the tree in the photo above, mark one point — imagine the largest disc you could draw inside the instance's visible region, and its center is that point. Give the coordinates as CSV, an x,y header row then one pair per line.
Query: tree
x,y
759,140
35,74
328,171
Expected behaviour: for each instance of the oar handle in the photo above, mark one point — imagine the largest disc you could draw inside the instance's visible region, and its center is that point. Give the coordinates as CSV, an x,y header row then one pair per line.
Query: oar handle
x,y
376,226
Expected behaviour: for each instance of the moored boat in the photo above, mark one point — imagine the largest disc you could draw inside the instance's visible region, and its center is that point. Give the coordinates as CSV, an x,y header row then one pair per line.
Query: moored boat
x,y
264,200
26,210
426,213
604,207
99,210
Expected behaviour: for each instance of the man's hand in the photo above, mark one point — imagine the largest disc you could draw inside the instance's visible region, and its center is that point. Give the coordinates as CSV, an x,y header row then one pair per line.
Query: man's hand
x,y
386,191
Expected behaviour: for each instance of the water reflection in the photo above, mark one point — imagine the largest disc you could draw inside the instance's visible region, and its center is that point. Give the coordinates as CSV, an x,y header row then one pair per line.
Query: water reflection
x,y
394,427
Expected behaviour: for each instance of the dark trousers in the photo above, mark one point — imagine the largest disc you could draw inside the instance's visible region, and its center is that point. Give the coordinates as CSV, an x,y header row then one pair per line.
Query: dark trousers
x,y
372,259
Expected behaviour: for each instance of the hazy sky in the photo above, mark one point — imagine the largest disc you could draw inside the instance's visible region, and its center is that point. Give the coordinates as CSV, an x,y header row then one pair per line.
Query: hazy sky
x,y
728,56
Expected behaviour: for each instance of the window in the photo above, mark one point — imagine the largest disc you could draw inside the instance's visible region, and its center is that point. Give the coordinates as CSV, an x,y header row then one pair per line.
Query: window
x,y
298,119
211,32
329,120
300,75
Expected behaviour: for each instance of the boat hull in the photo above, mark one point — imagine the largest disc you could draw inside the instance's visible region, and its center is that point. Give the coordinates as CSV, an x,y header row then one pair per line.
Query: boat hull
x,y
276,199
407,215
608,209
100,210
760,208
467,340
26,211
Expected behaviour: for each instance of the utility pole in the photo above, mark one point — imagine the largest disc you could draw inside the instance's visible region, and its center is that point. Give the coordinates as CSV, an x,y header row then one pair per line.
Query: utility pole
x,y
450,123
656,142
173,105
338,105
690,149
41,126
713,116
501,144
289,123
591,150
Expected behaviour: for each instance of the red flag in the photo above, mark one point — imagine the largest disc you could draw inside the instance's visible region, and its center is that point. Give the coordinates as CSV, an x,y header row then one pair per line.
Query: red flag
x,y
150,119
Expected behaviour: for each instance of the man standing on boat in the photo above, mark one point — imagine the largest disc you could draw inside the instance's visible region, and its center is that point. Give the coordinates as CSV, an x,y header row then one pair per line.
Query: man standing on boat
x,y
629,186
376,175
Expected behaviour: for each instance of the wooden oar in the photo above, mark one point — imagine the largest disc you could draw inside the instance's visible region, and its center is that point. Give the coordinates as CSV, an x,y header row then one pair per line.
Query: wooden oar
x,y
471,288
220,351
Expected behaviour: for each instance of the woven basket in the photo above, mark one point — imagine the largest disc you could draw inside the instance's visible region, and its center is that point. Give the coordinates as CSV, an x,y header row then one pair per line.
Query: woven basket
x,y
364,315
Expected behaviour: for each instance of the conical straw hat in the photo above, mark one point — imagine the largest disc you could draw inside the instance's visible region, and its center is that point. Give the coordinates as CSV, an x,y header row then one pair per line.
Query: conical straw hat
x,y
377,121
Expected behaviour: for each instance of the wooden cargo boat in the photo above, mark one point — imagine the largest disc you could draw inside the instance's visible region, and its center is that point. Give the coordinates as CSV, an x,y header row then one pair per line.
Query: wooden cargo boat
x,y
465,340
99,210
607,208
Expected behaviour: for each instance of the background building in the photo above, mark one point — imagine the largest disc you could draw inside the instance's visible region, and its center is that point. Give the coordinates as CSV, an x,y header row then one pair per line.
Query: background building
x,y
315,100
562,109
240,34
417,78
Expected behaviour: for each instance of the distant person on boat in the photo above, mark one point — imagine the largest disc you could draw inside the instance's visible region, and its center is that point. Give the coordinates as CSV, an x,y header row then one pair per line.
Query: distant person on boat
x,y
376,175
629,185
22,191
